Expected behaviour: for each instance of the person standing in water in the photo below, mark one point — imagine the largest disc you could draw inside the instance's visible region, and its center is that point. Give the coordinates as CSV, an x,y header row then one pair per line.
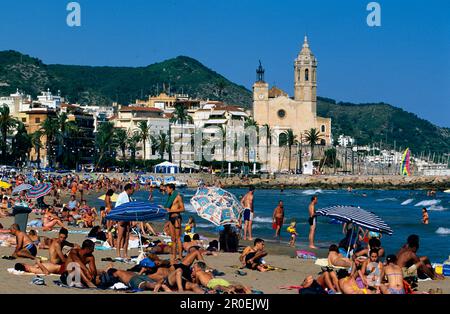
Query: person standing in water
x,y
425,218
278,218
247,203
175,207
312,221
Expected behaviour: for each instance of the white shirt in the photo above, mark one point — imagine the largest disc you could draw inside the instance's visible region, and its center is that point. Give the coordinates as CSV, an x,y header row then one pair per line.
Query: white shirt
x,y
122,198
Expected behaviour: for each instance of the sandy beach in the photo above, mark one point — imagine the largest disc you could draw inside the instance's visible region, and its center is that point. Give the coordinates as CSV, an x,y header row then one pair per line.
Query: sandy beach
x,y
269,282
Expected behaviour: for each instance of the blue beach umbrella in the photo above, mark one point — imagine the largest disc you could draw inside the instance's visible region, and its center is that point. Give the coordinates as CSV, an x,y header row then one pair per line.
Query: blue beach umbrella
x,y
39,190
136,211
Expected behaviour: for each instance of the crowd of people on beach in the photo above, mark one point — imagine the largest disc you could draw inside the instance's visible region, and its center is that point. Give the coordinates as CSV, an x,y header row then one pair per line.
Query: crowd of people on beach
x,y
354,264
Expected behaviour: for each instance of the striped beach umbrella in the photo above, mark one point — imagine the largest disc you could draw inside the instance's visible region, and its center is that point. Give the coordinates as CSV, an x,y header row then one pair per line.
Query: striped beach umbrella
x,y
21,187
217,205
39,190
357,216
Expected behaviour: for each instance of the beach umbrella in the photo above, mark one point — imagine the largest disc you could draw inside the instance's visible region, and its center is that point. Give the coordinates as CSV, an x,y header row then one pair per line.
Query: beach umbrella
x,y
22,187
357,216
113,197
136,211
217,205
4,185
39,190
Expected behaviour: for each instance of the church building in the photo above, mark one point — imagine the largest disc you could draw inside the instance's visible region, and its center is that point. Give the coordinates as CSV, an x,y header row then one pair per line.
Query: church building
x,y
273,107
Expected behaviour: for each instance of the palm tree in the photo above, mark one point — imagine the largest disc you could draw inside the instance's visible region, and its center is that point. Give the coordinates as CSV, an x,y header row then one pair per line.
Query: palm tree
x,y
181,116
36,143
50,129
268,140
104,140
143,129
21,145
249,123
312,136
161,143
69,133
222,130
290,141
7,123
120,138
132,142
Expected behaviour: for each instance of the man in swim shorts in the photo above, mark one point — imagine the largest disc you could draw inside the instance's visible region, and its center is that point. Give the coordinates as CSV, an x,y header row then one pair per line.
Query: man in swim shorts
x,y
25,246
312,221
247,203
278,218
138,282
175,207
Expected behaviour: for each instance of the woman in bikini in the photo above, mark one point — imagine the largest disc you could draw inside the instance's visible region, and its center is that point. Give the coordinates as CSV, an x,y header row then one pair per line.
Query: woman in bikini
x,y
392,273
371,270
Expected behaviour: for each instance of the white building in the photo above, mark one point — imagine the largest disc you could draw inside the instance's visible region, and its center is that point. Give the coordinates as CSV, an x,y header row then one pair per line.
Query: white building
x,y
16,102
129,117
215,116
47,99
345,140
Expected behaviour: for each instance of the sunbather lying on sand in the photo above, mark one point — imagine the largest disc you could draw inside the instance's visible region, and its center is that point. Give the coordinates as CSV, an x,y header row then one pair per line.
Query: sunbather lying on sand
x,y
135,281
39,268
207,280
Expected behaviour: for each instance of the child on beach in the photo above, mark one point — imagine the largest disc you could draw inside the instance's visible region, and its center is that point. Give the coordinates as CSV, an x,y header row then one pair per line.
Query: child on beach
x,y
190,226
291,229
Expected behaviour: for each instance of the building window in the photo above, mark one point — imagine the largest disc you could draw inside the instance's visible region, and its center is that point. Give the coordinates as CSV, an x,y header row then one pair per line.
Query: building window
x,y
322,142
24,119
306,75
281,113
323,129
37,120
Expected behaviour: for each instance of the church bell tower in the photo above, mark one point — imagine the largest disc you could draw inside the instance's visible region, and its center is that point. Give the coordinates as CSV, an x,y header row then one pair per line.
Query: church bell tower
x,y
260,96
305,71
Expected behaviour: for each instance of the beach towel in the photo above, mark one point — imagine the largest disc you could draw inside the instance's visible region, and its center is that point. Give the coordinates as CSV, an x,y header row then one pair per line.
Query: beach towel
x,y
35,223
171,199
305,254
323,262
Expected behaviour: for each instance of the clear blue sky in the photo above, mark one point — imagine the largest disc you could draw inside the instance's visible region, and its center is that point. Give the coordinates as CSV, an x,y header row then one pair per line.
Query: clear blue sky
x,y
405,62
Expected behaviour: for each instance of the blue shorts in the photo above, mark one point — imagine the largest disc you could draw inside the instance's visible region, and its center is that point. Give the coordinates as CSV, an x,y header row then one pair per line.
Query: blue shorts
x,y
247,214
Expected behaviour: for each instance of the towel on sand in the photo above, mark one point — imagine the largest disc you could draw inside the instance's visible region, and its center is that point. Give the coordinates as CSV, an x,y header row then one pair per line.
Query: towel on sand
x,y
323,262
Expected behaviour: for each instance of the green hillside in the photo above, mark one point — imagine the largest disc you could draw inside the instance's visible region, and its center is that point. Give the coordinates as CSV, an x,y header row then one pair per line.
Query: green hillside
x,y
372,123
368,123
103,85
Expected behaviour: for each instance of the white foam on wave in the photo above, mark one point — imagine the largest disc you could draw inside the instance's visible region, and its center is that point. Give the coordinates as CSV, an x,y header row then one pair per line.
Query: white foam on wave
x,y
428,203
386,199
442,230
262,219
437,208
408,201
312,192
189,208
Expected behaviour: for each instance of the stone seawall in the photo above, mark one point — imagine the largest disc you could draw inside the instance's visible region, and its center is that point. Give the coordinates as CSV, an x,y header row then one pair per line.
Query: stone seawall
x,y
323,182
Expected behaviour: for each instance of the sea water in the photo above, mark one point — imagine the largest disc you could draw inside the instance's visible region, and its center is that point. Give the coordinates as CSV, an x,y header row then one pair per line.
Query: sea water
x,y
394,207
